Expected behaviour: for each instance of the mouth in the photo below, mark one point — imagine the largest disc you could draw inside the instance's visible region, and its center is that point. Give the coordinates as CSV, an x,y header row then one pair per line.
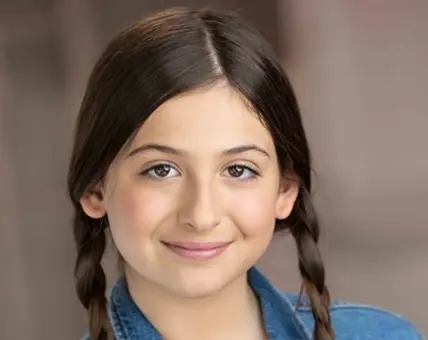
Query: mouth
x,y
197,250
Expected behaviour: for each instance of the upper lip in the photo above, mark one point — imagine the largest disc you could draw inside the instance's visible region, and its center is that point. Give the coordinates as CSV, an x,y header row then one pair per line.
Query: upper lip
x,y
196,245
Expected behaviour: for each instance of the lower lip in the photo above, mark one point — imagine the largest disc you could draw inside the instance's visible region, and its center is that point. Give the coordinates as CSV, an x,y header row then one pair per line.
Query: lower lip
x,y
199,254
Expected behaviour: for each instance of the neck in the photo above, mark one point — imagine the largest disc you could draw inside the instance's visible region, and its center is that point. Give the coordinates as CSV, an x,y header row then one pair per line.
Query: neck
x,y
232,313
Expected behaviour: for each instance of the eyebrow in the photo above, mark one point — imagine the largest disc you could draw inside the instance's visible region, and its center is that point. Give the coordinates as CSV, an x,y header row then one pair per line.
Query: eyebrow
x,y
178,152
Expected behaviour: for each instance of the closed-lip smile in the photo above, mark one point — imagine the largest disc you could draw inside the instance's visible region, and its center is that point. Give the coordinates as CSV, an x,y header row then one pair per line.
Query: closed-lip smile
x,y
197,250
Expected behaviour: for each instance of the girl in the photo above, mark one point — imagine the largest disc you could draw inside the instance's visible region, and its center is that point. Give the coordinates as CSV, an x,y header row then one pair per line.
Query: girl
x,y
190,153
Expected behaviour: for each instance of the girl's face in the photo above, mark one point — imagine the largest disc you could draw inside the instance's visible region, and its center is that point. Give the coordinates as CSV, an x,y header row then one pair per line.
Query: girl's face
x,y
192,202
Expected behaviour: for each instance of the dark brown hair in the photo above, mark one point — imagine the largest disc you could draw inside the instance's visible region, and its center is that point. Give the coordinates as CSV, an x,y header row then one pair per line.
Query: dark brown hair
x,y
152,61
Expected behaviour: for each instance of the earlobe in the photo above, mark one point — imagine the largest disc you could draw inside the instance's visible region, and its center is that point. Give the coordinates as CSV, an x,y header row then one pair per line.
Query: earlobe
x,y
286,199
93,205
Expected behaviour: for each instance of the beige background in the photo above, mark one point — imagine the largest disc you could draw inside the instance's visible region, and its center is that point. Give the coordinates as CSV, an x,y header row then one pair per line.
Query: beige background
x,y
360,69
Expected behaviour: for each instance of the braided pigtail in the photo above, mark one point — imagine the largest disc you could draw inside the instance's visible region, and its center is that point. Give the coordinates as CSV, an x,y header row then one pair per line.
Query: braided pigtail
x,y
305,230
90,278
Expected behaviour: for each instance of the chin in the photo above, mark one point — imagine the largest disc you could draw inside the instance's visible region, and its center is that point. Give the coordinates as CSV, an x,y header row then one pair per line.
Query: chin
x,y
198,289
199,282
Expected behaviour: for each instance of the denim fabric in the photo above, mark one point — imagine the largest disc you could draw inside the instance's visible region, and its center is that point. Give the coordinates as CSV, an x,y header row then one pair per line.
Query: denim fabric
x,y
282,322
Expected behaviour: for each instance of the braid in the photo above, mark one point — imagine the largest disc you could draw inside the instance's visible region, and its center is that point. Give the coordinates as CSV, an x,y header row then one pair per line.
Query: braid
x,y
305,230
90,278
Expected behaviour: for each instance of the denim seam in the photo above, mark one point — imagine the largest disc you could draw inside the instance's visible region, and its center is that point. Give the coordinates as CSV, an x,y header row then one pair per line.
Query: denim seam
x,y
300,325
119,334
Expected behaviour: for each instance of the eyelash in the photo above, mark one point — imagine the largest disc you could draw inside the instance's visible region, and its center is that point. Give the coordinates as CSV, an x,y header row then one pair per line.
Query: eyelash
x,y
254,173
146,172
245,166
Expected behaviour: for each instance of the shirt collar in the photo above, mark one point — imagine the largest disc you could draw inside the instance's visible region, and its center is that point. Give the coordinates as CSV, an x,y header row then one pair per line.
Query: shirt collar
x,y
129,323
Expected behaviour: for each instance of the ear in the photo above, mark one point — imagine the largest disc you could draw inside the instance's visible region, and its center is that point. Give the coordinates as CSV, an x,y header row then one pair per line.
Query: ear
x,y
92,204
287,195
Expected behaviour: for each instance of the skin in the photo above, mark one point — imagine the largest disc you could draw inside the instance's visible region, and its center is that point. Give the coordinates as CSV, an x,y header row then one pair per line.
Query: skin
x,y
206,190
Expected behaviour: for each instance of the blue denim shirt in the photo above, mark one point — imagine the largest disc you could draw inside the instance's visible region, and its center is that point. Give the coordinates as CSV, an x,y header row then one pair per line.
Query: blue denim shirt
x,y
350,321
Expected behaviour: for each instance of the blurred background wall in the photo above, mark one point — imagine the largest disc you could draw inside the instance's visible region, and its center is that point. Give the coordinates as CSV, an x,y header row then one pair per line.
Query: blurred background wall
x,y
360,71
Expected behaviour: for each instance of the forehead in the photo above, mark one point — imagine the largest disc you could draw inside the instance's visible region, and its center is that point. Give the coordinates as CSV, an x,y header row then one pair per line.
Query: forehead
x,y
214,117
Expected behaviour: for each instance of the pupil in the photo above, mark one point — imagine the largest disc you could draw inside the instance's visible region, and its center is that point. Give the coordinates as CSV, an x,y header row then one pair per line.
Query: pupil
x,y
162,170
236,171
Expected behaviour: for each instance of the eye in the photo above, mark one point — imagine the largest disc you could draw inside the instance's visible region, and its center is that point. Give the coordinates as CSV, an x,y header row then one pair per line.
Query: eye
x,y
161,171
241,172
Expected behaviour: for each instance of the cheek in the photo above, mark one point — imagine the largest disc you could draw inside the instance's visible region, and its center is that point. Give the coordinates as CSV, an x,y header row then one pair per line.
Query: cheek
x,y
254,213
135,212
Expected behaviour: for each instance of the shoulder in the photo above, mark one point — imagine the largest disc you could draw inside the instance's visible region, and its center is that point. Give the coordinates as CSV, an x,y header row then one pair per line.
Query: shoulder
x,y
375,323
362,322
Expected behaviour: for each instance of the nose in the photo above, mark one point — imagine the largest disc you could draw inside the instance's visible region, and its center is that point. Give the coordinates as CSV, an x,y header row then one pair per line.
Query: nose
x,y
199,209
